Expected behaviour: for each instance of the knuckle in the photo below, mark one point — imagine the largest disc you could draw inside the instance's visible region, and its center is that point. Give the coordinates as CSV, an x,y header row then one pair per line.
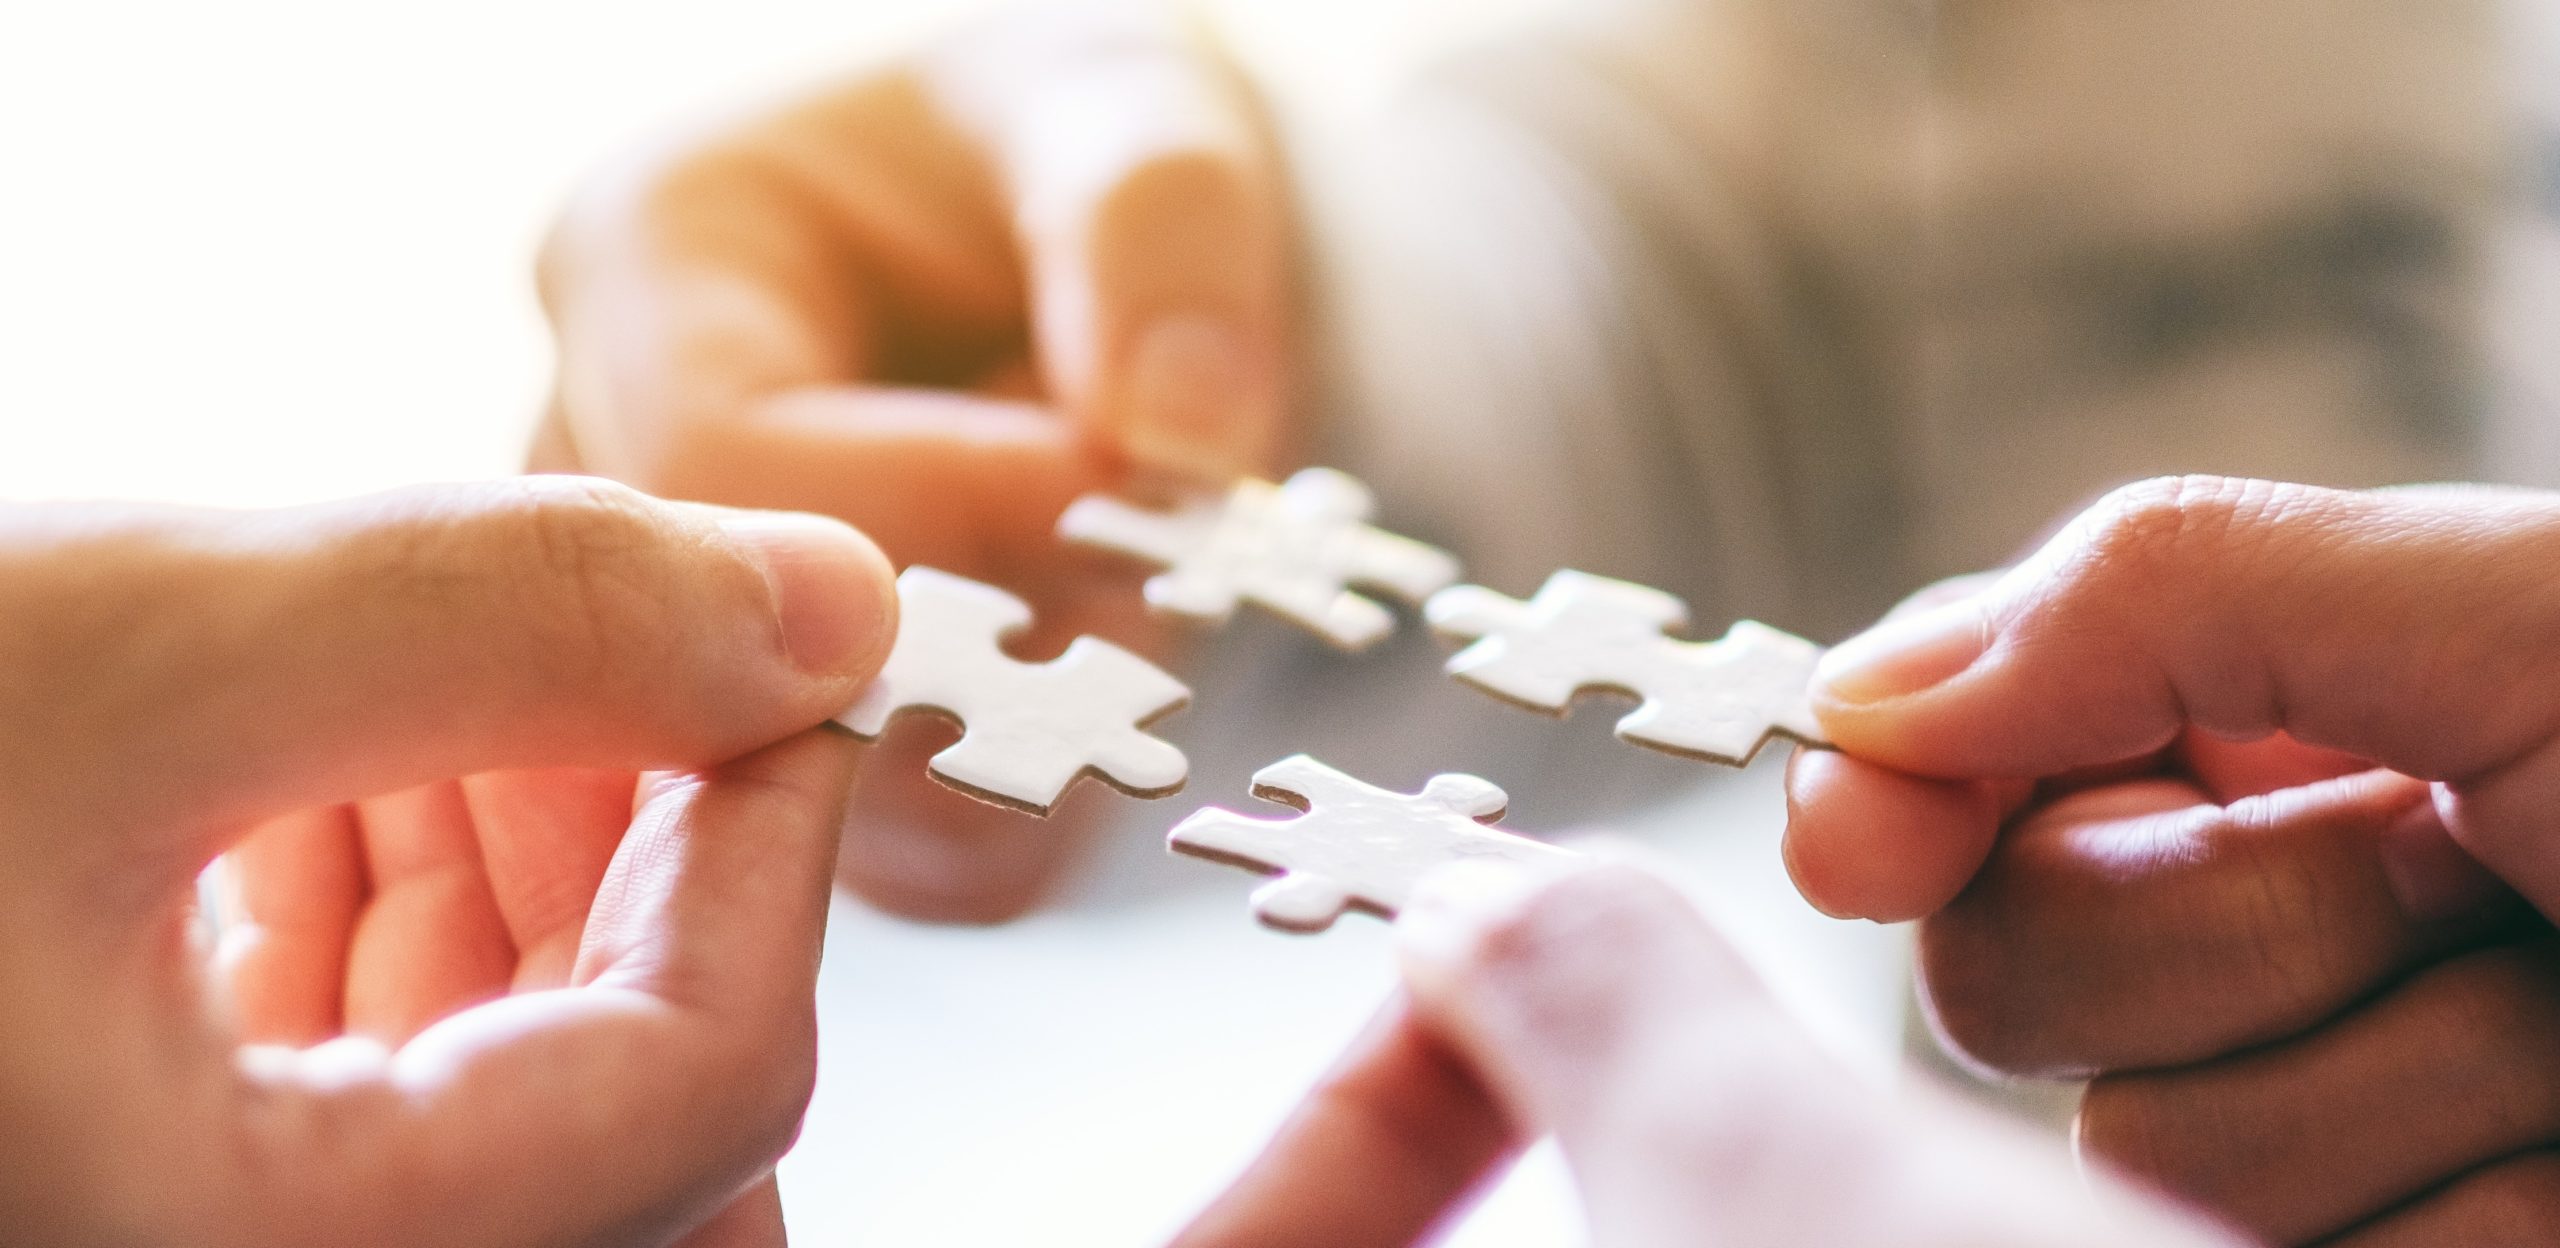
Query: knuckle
x,y
1179,203
2177,569
790,1081
2160,531
2299,951
771,1060
577,528
700,191
586,564
2163,526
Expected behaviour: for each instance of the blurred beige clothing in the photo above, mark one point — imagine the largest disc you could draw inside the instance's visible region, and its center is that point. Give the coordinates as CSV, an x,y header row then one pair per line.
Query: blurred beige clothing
x,y
1790,305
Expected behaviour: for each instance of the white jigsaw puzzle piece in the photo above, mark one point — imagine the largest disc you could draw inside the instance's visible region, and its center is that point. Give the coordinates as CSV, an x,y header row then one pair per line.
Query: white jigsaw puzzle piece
x,y
1357,846
1298,549
1028,729
1717,699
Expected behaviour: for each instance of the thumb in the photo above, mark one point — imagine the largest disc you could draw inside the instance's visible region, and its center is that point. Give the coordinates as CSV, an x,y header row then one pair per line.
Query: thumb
x,y
2419,629
1150,213
204,670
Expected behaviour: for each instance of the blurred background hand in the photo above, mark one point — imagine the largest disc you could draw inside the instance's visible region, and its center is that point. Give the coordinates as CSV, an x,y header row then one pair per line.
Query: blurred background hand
x,y
939,300
2197,800
487,979
1691,1108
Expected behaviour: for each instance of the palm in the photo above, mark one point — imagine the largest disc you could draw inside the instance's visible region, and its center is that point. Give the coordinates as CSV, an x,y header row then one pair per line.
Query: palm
x,y
378,917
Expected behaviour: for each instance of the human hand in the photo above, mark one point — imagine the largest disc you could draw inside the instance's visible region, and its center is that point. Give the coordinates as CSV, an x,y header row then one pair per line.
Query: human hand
x,y
1691,1109
940,301
2199,799
534,994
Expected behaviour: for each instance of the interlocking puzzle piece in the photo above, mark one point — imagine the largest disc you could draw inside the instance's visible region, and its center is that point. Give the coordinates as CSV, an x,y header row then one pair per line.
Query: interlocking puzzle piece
x,y
1298,549
1715,700
1029,729
1357,847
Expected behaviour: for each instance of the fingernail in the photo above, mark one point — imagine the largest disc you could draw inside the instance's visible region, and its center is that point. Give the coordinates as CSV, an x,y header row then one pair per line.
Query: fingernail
x,y
834,594
2432,878
1902,657
1193,395
1449,910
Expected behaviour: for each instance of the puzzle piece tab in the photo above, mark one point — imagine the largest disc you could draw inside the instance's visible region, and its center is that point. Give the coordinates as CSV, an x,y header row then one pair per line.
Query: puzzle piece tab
x,y
1716,700
1297,549
1029,729
1357,847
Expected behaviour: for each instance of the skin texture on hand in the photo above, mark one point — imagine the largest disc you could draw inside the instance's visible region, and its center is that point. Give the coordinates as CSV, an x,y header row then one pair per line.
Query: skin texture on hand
x,y
1690,1108
517,958
1046,256
2235,796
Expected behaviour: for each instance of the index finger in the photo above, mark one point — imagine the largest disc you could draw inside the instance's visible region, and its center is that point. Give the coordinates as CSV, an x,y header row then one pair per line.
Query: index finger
x,y
1392,1138
1691,1108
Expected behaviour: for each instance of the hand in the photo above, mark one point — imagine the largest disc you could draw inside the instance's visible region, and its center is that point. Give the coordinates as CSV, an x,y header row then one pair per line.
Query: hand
x,y
2199,797
940,301
1690,1108
536,995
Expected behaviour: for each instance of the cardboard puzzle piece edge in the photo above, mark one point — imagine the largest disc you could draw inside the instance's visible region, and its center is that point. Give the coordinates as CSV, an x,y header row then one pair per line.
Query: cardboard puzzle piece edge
x,y
1717,700
1354,846
1029,731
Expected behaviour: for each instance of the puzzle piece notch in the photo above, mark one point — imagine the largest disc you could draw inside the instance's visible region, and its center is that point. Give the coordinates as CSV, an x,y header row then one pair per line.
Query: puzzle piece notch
x,y
1298,549
1357,846
1028,730
1717,700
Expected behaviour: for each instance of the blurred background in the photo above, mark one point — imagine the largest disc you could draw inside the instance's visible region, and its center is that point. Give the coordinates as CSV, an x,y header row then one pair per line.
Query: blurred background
x,y
1632,286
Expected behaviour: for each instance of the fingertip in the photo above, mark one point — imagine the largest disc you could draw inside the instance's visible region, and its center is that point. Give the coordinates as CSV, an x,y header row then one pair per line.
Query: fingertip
x,y
1200,401
1867,842
1905,655
2430,874
1381,1149
1444,925
1582,1001
834,593
1487,947
1800,850
1162,288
